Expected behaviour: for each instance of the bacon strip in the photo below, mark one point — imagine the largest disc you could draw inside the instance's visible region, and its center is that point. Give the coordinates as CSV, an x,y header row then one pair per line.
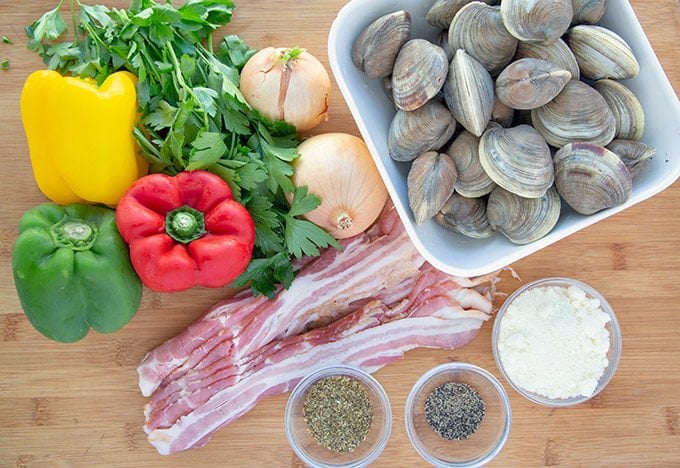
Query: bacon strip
x,y
225,366
370,338
378,264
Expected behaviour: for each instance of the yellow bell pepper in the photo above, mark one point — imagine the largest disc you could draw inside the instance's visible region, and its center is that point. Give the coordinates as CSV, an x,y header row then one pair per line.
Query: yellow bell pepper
x,y
80,136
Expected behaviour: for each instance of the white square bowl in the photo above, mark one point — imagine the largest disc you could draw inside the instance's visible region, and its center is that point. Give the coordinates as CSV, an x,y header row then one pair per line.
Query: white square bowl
x,y
455,253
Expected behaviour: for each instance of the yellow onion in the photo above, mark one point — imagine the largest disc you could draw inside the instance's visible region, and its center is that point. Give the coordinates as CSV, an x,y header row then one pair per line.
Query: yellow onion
x,y
287,84
338,168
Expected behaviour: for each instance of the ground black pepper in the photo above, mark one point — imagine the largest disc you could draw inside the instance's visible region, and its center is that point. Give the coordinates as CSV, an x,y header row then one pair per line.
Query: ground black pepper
x,y
454,410
338,412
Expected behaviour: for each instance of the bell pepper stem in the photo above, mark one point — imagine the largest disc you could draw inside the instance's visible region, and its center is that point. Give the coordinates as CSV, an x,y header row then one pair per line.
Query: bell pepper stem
x,y
185,224
74,234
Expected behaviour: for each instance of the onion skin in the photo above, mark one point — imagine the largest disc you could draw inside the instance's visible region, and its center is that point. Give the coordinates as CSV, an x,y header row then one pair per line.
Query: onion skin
x,y
296,90
339,169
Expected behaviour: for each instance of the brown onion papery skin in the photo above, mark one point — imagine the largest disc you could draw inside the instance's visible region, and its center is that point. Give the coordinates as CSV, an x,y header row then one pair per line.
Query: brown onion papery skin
x,y
339,169
298,92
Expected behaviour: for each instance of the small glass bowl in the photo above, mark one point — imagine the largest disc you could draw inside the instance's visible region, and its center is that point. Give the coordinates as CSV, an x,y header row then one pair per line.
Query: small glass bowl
x,y
613,355
480,447
314,454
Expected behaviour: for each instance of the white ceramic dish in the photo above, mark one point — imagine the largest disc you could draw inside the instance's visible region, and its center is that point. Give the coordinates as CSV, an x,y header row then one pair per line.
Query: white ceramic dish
x,y
454,253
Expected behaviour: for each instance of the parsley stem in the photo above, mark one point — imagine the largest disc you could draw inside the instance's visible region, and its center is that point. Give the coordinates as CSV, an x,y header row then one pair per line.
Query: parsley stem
x,y
76,38
186,88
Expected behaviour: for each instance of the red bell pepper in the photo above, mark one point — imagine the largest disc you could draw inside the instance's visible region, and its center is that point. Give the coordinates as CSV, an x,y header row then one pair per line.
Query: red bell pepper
x,y
185,231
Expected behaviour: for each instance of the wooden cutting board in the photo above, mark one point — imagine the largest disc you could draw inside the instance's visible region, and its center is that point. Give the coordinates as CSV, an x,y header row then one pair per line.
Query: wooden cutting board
x,y
78,404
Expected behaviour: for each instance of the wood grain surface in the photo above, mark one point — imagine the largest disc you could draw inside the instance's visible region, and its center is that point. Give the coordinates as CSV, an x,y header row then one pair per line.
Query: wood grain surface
x,y
78,404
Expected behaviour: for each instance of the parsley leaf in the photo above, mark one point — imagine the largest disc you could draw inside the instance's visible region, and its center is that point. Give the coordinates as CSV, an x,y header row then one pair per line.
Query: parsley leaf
x,y
161,117
305,237
207,149
49,26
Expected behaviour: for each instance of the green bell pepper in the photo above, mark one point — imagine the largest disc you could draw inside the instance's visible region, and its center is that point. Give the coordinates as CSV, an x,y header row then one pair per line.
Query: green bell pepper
x,y
72,271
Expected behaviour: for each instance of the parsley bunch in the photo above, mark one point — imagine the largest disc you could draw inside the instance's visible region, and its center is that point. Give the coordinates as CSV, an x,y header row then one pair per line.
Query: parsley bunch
x,y
193,115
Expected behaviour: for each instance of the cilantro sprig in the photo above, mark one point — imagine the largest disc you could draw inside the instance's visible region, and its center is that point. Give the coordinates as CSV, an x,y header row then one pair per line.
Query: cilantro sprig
x,y
193,115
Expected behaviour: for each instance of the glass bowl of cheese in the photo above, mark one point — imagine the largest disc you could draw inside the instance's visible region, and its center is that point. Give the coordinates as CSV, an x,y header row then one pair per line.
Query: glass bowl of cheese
x,y
557,341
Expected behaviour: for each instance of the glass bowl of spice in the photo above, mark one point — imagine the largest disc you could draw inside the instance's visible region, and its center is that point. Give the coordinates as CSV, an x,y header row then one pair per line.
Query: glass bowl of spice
x,y
338,416
458,415
557,341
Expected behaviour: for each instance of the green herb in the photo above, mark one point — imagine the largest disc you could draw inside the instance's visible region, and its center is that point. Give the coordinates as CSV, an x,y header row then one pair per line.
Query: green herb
x,y
193,115
454,410
338,412
4,64
6,40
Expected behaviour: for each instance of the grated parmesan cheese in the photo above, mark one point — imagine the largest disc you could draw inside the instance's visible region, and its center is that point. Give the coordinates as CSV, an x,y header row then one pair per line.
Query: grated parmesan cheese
x,y
553,341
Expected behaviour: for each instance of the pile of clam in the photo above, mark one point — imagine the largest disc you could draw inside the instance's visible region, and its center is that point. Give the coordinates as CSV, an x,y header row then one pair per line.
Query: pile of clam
x,y
515,108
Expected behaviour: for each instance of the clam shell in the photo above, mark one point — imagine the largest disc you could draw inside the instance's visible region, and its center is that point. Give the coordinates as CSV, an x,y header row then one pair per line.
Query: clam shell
x,y
588,11
537,20
419,73
430,183
502,114
578,113
413,133
472,180
591,178
628,113
466,216
441,12
602,53
523,220
376,48
478,29
529,83
556,52
518,159
469,93
634,154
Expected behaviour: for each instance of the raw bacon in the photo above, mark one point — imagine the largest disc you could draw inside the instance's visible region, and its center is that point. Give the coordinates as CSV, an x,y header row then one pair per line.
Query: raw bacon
x,y
371,265
224,367
434,315
365,306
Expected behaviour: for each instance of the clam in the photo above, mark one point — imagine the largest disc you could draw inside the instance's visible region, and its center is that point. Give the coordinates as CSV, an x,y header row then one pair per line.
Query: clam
x,y
518,159
529,83
588,11
578,113
466,216
602,53
472,180
591,178
502,114
628,113
469,93
523,220
537,20
413,133
376,48
634,154
557,52
419,73
430,183
478,29
442,12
